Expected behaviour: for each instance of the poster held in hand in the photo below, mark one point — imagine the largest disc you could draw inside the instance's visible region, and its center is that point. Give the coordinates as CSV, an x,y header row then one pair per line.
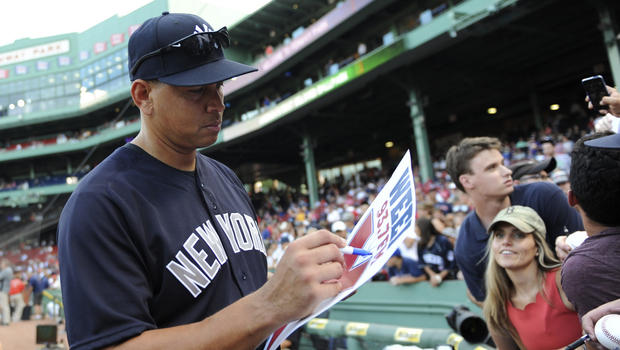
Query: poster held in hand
x,y
389,219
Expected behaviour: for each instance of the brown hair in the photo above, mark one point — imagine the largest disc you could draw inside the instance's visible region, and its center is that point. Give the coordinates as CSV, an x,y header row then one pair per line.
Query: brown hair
x,y
499,287
459,156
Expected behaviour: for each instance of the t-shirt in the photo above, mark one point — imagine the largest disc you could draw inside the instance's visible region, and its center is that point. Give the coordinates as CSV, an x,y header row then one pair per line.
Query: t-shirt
x,y
408,267
545,324
439,256
17,286
143,245
545,198
38,283
591,272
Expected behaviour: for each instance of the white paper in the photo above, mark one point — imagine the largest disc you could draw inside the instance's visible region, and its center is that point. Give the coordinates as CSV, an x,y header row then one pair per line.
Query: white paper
x,y
389,219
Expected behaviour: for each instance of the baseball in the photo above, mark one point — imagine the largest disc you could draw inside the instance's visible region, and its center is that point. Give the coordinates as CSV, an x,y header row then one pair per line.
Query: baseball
x,y
607,331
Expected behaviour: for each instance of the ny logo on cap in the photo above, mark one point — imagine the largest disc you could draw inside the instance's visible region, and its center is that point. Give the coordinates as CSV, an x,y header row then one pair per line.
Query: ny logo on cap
x,y
205,28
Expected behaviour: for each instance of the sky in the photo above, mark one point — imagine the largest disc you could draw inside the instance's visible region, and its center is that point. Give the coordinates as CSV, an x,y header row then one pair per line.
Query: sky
x,y
40,18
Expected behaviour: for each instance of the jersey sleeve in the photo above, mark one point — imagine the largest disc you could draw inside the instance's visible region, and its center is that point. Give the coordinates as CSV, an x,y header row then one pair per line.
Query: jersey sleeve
x,y
105,288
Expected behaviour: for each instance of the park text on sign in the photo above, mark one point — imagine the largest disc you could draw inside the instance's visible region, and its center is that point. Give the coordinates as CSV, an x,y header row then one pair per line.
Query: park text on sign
x,y
34,52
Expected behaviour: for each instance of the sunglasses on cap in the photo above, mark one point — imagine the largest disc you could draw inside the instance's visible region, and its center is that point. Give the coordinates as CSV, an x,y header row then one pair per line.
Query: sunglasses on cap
x,y
196,44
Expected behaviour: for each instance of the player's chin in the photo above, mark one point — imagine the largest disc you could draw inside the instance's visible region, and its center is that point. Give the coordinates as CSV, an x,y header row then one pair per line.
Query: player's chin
x,y
206,140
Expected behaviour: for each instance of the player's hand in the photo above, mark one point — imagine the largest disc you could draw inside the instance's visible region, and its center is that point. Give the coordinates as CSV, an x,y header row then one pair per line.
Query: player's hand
x,y
589,320
306,275
561,247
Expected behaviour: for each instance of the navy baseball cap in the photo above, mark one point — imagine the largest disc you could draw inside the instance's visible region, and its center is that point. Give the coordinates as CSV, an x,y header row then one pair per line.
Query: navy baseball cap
x,y
610,141
183,50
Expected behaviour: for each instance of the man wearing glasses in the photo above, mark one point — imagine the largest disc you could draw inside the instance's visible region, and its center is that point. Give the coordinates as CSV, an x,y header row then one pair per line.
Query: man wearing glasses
x,y
159,245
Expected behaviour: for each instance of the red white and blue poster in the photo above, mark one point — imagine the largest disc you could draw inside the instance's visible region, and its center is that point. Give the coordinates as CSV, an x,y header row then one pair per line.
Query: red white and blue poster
x,y
389,219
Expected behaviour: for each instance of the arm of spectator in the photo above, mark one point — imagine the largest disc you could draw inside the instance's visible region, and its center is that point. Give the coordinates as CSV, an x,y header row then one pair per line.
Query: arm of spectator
x,y
561,247
563,297
293,292
612,101
434,278
589,320
407,279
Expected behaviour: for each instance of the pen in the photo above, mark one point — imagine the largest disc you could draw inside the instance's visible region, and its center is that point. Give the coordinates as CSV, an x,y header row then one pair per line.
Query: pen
x,y
354,251
578,342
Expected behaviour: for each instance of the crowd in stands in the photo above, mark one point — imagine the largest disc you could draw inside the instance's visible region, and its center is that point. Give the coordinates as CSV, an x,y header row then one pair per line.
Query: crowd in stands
x,y
62,138
31,271
339,58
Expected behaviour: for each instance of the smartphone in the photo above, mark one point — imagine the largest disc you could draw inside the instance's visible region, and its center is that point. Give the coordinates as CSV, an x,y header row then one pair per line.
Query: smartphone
x,y
596,90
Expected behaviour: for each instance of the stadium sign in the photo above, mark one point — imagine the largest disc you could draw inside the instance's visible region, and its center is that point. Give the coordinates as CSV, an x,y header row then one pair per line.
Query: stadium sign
x,y
34,52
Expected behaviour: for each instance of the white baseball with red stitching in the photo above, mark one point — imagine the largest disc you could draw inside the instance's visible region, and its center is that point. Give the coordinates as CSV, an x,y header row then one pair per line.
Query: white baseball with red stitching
x,y
607,331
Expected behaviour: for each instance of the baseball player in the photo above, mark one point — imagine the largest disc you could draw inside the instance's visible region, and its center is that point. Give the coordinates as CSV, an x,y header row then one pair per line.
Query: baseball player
x,y
158,245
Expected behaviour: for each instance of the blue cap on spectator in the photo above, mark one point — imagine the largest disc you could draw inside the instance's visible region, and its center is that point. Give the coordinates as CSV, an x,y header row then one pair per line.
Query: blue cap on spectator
x,y
183,50
397,253
610,141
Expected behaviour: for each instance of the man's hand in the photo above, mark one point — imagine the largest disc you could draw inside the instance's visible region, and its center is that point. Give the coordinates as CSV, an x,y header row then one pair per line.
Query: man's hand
x,y
611,103
561,247
589,320
306,275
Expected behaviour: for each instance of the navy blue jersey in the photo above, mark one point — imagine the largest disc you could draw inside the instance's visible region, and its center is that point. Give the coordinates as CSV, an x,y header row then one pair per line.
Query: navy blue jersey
x,y
143,245
545,198
439,256
408,267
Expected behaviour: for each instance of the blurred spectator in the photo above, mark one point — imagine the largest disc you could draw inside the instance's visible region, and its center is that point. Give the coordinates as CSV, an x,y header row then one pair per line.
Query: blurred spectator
x,y
6,275
16,297
38,282
403,270
409,247
529,171
436,253
560,178
562,159
596,195
340,228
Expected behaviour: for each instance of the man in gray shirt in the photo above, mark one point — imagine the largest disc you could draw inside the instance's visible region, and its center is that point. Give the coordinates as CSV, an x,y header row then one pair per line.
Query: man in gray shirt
x,y
6,274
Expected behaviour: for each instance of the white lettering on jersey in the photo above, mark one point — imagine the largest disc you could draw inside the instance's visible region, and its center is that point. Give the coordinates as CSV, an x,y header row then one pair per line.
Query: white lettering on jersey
x,y
256,237
188,274
209,235
201,257
242,233
224,222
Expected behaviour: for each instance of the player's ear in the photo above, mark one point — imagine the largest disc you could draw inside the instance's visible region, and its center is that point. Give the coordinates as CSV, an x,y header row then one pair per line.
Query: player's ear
x,y
141,95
